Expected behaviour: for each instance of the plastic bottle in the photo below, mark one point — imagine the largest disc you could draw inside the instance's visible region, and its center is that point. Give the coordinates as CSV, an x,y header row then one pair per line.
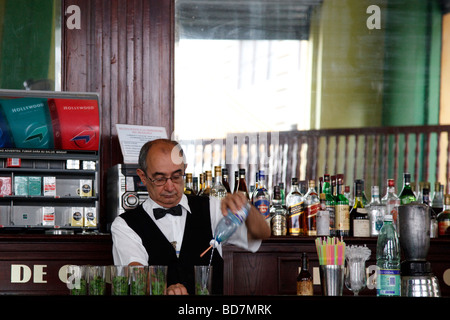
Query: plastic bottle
x,y
228,225
388,260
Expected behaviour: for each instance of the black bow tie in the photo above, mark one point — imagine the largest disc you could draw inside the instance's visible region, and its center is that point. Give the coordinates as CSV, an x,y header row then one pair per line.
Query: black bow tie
x,y
161,212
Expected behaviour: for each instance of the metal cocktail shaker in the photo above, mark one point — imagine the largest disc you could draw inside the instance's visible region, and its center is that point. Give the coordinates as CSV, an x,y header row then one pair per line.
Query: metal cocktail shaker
x,y
414,224
417,278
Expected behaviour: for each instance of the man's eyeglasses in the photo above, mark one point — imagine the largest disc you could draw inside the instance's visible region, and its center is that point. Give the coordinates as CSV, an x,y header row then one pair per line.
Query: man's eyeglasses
x,y
176,178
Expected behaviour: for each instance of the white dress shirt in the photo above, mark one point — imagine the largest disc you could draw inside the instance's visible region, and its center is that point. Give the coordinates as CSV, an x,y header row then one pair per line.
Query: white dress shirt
x,y
128,247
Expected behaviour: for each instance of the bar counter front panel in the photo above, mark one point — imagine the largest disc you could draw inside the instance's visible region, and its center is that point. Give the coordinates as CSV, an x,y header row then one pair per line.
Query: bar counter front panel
x,y
35,264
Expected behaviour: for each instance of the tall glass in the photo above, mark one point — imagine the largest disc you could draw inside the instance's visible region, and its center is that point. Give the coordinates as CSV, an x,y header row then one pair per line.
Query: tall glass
x,y
138,280
97,280
158,280
119,280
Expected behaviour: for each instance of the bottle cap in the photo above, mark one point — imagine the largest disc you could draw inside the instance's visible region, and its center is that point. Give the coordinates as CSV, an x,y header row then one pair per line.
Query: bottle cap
x,y
214,243
388,217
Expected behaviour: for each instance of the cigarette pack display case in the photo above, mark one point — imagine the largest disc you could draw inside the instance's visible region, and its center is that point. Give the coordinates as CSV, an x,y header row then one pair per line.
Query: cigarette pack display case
x,y
49,161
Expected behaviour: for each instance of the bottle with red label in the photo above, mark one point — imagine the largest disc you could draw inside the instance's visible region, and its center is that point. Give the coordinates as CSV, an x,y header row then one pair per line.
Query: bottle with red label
x,y
312,206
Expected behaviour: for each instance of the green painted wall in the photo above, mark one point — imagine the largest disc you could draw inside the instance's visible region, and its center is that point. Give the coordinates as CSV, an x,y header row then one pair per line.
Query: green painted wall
x,y
26,43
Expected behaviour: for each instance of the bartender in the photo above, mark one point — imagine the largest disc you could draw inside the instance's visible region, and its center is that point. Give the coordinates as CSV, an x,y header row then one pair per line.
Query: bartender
x,y
173,229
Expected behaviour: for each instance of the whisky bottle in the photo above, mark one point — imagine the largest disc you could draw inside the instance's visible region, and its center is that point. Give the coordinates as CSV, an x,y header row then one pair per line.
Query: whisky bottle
x,y
208,184
189,186
278,214
304,278
312,206
242,184
225,181
294,203
359,219
218,190
342,210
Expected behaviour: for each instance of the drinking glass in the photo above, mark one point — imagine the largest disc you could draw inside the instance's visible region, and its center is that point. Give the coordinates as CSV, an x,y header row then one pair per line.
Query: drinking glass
x,y
97,280
158,279
355,275
138,280
203,280
119,280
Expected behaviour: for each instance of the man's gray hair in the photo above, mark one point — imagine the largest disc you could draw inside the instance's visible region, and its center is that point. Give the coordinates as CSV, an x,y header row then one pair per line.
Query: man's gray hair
x,y
177,153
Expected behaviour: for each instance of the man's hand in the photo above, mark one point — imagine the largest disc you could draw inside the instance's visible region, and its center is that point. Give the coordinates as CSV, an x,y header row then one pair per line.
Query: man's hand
x,y
233,202
176,289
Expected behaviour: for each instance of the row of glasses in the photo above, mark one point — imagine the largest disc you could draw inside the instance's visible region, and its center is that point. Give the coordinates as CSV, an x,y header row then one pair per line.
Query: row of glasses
x,y
129,280
123,280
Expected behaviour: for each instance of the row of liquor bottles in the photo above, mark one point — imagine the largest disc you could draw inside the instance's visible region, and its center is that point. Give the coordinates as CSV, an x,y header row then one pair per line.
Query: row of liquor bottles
x,y
329,209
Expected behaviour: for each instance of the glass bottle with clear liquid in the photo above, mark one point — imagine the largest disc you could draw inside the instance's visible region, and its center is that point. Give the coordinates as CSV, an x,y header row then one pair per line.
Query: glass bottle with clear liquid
x,y
218,190
388,260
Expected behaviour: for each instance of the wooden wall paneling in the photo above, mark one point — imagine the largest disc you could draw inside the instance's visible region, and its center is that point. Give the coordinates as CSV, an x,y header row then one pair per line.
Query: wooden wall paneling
x,y
124,52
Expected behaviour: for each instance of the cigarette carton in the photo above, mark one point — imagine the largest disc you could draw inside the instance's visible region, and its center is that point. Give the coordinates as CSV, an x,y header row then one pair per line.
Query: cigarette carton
x,y
90,217
77,217
85,188
48,216
50,186
5,186
34,186
21,185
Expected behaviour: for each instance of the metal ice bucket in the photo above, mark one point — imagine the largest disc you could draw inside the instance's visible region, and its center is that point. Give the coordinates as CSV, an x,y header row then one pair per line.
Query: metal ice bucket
x,y
414,224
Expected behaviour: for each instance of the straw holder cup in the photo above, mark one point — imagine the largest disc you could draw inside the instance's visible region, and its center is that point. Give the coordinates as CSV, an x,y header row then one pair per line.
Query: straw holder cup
x,y
332,279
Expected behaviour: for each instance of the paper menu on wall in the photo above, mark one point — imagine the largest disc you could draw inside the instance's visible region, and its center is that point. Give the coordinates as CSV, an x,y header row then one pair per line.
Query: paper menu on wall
x,y
133,137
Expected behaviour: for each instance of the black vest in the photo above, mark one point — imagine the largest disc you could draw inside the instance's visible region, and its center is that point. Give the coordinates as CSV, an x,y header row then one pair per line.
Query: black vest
x,y
197,235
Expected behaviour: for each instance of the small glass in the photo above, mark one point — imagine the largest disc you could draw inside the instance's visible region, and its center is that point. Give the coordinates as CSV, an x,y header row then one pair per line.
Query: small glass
x,y
97,280
355,275
138,280
119,280
203,280
158,280
77,280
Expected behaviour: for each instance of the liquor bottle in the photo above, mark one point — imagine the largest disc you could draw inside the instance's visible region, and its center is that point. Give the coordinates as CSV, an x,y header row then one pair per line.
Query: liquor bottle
x,y
236,181
376,211
294,203
437,203
283,193
195,184
443,218
392,201
312,206
407,195
225,181
388,260
424,197
189,186
261,198
304,278
201,184
206,191
349,196
242,184
359,219
342,210
330,202
218,190
278,214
